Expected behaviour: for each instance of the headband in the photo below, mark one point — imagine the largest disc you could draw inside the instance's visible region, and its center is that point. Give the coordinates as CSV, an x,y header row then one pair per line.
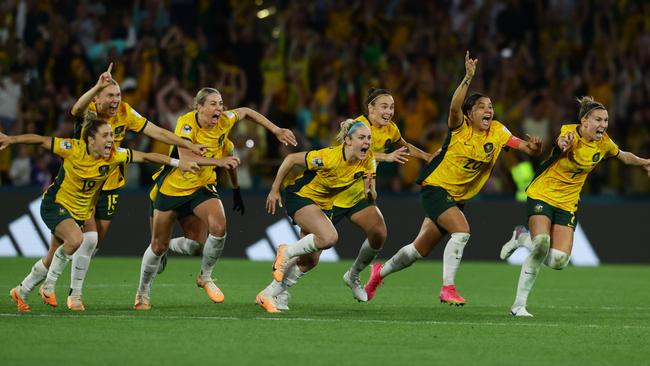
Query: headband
x,y
355,126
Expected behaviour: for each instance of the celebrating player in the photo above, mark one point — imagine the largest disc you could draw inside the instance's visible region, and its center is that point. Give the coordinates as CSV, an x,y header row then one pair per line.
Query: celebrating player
x,y
69,201
554,194
309,199
455,175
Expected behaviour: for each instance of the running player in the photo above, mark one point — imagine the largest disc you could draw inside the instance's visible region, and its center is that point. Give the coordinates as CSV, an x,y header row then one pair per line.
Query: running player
x,y
180,196
104,99
69,201
554,194
455,175
310,198
353,203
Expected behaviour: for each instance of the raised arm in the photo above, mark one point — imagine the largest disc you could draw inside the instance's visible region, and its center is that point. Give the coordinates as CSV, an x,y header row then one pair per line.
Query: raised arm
x,y
81,105
630,159
455,109
284,135
168,137
30,139
287,164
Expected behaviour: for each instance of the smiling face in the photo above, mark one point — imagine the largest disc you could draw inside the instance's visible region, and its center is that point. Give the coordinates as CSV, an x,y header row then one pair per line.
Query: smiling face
x,y
481,114
381,110
210,110
101,144
594,125
108,100
357,143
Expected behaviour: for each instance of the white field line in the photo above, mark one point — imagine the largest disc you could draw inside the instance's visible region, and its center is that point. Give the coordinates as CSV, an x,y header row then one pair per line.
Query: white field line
x,y
512,323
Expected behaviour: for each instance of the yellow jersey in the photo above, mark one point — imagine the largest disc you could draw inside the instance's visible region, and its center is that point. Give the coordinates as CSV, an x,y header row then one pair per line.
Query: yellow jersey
x,y
170,180
328,173
559,179
466,160
81,177
382,138
126,119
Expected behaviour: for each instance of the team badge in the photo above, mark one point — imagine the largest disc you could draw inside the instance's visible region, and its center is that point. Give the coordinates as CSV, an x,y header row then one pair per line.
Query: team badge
x,y
489,147
596,157
450,198
61,212
538,208
187,129
103,170
66,145
318,162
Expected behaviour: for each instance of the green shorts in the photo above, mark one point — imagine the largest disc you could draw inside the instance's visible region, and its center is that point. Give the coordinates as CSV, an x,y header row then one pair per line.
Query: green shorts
x,y
293,203
53,213
107,204
558,216
184,205
435,200
338,213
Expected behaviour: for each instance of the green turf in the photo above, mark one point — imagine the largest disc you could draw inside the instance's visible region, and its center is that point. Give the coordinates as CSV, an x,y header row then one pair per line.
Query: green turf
x,y
583,316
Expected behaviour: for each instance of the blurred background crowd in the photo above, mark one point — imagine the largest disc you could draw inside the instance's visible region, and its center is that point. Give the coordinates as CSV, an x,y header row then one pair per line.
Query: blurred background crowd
x,y
307,65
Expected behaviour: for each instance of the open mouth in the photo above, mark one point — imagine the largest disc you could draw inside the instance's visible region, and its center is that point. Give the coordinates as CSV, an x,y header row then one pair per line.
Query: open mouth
x,y
107,148
215,117
599,133
386,118
364,150
112,108
487,118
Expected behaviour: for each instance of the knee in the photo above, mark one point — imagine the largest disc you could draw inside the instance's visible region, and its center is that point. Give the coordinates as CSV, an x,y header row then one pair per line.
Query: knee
x,y
159,245
327,239
377,236
541,244
217,229
75,240
557,259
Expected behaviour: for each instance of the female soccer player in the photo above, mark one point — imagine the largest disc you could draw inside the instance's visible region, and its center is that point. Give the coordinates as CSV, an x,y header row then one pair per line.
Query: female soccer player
x,y
69,201
104,99
309,199
455,175
353,203
179,196
554,194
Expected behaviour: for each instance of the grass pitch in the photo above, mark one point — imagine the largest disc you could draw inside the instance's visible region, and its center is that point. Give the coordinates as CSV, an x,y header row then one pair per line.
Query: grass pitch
x,y
590,316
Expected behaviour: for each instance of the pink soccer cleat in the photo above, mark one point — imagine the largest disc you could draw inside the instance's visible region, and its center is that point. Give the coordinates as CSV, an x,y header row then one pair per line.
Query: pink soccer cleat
x,y
374,281
449,295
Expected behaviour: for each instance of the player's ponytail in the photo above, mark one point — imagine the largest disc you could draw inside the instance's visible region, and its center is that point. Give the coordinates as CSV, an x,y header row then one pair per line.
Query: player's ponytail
x,y
91,125
588,105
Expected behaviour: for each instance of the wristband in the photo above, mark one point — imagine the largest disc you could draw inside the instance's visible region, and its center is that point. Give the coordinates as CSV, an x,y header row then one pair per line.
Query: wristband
x,y
173,162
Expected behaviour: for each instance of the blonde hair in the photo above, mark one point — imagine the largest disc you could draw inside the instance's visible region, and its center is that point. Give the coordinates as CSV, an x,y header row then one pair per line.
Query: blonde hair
x,y
200,97
588,105
347,128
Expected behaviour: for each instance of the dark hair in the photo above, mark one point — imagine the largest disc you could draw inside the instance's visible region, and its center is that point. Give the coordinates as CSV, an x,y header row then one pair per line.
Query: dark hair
x,y
470,101
91,125
374,94
587,105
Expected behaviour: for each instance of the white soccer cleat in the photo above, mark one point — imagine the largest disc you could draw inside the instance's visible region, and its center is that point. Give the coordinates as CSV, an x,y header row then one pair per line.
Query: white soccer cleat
x,y
520,311
354,283
282,300
514,243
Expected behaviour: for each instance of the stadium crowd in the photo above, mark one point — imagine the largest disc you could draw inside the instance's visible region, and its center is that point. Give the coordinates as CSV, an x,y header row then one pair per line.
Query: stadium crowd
x,y
307,65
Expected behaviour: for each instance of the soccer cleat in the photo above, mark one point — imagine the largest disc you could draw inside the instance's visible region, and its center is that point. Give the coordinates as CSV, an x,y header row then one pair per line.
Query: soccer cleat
x,y
48,296
520,311
21,304
163,263
374,281
267,303
282,300
513,244
354,284
449,295
75,304
280,263
214,293
142,302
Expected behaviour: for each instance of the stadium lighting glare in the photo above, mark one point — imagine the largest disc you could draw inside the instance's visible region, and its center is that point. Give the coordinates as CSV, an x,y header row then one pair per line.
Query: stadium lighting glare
x,y
266,12
259,2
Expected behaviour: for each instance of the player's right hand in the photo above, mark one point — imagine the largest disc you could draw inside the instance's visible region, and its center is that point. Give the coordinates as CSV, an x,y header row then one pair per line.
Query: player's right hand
x,y
271,200
229,162
105,78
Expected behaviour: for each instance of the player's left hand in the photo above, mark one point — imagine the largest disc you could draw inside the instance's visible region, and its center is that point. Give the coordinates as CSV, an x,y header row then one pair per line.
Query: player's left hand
x,y
198,149
186,166
369,187
286,137
534,143
4,141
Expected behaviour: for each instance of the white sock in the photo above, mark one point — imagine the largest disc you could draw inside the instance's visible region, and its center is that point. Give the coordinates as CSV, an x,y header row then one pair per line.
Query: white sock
x,y
148,270
451,257
292,274
557,259
274,289
36,276
59,262
211,252
404,257
81,261
305,245
366,255
184,246
530,268
525,241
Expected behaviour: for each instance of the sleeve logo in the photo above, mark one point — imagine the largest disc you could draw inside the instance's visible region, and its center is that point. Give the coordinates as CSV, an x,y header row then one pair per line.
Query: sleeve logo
x,y
229,114
66,145
317,162
187,129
